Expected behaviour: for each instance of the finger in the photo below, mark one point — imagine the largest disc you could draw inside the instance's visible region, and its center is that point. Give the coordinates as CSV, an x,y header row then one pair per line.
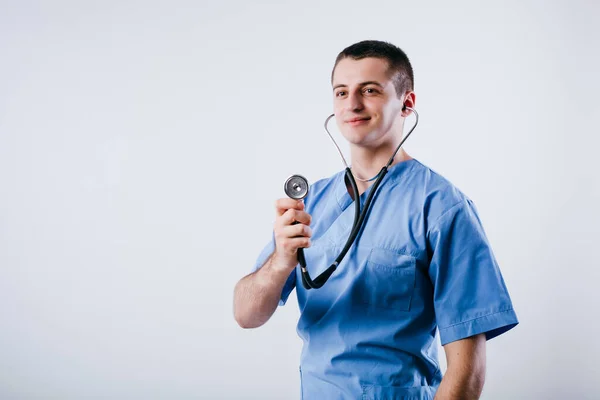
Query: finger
x,y
291,216
287,218
290,245
298,230
284,204
303,217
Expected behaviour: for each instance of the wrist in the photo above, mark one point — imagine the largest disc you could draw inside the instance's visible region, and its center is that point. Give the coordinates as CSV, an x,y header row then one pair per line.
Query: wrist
x,y
283,264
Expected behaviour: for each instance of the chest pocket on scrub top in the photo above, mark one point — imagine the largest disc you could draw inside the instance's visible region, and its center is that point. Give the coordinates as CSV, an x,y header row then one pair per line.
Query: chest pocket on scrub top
x,y
387,280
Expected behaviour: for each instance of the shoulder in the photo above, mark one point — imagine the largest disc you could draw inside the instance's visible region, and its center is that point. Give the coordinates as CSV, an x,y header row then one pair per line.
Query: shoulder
x,y
437,194
322,188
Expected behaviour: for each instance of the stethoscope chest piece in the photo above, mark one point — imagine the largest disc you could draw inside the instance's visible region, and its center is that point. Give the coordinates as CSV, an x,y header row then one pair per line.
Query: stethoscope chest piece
x,y
296,187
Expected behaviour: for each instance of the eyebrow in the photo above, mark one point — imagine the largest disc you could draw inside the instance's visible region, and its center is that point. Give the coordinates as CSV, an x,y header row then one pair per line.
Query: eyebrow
x,y
361,84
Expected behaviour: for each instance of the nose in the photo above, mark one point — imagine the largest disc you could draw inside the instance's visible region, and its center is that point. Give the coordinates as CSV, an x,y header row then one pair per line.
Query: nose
x,y
355,102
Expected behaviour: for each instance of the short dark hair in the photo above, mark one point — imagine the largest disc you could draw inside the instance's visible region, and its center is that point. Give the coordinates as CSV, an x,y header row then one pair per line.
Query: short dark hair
x,y
399,66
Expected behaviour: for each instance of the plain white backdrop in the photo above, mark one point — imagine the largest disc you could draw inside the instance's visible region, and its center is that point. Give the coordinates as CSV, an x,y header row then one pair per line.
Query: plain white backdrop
x,y
143,144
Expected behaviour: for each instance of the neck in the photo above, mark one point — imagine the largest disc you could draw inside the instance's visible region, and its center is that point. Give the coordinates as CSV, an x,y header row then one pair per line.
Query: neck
x,y
366,163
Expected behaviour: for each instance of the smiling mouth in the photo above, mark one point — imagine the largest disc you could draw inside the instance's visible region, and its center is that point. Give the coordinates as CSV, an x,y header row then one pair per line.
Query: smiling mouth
x,y
358,121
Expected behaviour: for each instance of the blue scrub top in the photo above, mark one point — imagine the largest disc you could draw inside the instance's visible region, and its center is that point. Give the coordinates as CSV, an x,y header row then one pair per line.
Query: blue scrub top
x,y
421,262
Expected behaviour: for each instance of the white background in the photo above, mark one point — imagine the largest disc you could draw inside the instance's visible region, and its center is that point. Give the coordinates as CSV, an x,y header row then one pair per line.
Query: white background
x,y
143,144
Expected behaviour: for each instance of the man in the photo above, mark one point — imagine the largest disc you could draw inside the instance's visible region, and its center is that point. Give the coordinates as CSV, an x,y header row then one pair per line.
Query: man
x,y
422,261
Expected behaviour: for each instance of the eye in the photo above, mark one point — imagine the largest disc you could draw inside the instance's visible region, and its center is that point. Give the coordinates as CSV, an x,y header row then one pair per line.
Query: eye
x,y
340,93
371,90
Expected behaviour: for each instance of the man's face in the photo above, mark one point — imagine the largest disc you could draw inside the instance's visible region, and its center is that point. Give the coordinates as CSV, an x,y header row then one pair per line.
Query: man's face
x,y
365,102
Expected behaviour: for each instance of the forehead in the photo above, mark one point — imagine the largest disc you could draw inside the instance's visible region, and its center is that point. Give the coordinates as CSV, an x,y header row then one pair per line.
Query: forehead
x,y
349,71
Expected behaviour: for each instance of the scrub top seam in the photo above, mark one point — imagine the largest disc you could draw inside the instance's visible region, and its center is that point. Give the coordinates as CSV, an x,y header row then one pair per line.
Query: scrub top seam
x,y
409,169
476,318
441,217
398,250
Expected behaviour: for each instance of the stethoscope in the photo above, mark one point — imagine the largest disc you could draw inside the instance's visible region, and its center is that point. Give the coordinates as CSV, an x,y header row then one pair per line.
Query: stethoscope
x,y
296,187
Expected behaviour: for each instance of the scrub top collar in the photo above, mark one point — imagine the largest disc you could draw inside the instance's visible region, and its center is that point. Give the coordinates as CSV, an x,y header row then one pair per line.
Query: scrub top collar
x,y
395,172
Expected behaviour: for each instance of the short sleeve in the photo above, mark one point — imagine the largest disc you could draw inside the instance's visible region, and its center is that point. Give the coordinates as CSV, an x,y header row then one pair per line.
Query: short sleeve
x,y
470,296
290,283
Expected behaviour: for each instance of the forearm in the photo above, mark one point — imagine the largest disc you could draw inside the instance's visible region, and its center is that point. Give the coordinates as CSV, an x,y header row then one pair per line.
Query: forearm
x,y
461,383
465,374
257,295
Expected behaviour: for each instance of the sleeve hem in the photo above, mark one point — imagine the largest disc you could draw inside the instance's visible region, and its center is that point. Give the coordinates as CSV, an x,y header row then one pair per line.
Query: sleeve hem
x,y
492,325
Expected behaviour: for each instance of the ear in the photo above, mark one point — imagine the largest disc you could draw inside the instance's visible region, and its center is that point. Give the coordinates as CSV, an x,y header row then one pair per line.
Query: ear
x,y
409,101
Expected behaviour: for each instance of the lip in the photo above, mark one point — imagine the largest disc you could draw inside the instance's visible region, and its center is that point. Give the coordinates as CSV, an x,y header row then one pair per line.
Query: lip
x,y
358,121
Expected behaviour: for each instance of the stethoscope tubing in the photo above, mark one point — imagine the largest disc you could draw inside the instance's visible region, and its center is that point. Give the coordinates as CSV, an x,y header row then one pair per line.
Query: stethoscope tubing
x,y
359,216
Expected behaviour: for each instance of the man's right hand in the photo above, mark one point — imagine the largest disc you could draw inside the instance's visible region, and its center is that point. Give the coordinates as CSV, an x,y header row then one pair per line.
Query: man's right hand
x,y
292,231
256,295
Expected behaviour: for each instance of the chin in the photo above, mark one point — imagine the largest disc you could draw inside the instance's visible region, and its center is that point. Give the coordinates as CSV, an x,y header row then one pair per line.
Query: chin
x,y
357,135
